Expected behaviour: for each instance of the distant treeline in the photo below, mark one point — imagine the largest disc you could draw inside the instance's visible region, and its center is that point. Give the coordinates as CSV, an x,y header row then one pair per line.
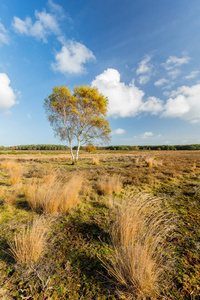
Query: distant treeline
x,y
35,147
114,148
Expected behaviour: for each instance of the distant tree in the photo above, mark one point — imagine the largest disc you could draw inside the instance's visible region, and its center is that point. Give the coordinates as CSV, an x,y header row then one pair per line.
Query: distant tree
x,y
80,116
90,148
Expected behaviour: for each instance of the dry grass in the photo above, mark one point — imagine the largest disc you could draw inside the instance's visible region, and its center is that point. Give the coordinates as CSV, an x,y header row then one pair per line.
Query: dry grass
x,y
95,161
10,164
15,170
137,260
149,161
53,197
16,175
3,190
29,244
9,196
107,185
50,178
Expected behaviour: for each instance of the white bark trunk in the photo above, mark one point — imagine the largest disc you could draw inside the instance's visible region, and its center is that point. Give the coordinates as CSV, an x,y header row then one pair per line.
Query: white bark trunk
x,y
72,154
77,151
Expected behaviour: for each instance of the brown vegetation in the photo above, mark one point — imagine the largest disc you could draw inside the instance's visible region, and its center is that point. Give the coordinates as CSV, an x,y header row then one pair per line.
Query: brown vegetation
x,y
137,260
29,244
53,196
107,185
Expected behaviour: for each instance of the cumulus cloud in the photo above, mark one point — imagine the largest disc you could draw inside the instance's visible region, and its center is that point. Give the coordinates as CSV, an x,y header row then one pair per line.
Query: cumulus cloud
x,y
4,39
144,66
118,131
7,96
143,79
193,74
124,100
152,105
174,61
44,25
147,135
184,103
71,58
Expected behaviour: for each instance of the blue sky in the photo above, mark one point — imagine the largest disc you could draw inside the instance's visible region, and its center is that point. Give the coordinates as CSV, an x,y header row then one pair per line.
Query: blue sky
x,y
143,55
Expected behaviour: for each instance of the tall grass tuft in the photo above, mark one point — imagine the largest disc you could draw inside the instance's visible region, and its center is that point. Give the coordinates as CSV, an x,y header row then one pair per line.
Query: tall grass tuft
x,y
107,185
29,244
53,197
15,171
95,161
137,261
15,175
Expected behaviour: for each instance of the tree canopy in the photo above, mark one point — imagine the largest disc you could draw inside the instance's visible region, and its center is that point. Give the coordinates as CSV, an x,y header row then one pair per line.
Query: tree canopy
x,y
80,116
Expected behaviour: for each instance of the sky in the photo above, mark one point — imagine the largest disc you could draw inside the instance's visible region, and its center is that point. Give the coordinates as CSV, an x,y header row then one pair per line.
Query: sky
x,y
143,55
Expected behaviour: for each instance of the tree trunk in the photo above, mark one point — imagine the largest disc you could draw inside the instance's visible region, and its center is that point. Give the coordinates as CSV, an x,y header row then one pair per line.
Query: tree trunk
x,y
77,151
72,154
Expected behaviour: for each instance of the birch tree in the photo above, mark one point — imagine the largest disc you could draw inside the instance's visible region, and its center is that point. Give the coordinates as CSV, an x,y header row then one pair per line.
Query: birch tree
x,y
80,116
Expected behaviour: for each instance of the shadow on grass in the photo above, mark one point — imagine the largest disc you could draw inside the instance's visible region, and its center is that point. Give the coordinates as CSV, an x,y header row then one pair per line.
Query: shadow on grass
x,y
5,254
23,204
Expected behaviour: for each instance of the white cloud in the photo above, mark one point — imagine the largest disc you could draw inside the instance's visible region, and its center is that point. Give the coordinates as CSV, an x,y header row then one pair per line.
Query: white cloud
x,y
7,96
143,79
174,73
71,58
184,103
143,66
4,39
118,131
193,74
45,25
55,8
153,105
174,61
147,135
160,82
124,100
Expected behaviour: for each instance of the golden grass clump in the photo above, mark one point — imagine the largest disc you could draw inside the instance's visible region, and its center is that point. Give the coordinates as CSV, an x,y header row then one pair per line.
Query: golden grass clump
x,y
15,170
29,244
53,197
109,184
10,164
50,178
95,161
15,175
11,195
137,260
149,161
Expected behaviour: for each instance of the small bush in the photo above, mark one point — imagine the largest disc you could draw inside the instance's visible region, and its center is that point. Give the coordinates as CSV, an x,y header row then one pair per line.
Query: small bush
x,y
108,185
29,244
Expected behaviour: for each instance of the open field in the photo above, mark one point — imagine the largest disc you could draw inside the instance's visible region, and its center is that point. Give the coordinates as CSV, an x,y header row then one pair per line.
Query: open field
x,y
118,225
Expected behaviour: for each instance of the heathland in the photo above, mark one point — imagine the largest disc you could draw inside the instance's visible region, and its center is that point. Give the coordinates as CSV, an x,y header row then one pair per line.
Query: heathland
x,y
118,225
